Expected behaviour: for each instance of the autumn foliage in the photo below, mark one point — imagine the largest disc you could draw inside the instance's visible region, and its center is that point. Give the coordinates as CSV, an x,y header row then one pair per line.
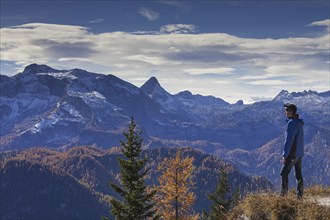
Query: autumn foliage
x,y
174,194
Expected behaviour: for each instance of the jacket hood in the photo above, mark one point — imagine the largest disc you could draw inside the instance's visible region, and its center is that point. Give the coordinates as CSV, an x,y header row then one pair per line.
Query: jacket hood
x,y
295,117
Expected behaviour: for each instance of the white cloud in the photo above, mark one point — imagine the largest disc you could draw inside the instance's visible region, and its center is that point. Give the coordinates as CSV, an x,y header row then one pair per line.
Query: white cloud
x,y
149,59
178,28
149,14
98,20
222,82
299,71
254,77
222,70
325,23
242,66
74,59
269,82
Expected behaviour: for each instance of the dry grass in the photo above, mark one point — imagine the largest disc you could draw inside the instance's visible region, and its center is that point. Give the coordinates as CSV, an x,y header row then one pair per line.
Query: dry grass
x,y
318,190
263,206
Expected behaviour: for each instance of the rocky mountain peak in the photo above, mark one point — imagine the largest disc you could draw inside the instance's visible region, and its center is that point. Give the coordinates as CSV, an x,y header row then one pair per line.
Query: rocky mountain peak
x,y
185,94
153,80
149,86
239,102
35,68
284,95
152,88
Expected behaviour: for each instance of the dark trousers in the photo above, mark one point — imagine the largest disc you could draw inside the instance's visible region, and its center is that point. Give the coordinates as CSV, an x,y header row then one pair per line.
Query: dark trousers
x,y
287,166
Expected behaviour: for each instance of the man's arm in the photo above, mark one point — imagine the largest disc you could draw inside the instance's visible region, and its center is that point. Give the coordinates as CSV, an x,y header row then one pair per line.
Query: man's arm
x,y
290,133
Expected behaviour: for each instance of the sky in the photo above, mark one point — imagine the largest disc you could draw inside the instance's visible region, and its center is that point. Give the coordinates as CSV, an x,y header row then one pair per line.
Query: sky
x,y
234,50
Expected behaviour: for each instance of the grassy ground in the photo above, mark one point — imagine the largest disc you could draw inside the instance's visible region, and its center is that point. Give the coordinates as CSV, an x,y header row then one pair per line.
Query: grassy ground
x,y
264,206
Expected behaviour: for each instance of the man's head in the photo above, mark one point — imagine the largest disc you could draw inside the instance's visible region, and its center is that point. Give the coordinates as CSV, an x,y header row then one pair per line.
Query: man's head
x,y
290,109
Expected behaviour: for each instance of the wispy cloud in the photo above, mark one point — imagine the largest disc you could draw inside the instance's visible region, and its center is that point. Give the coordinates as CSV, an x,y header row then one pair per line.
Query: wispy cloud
x,y
325,23
150,60
149,14
98,20
270,82
178,28
222,70
244,67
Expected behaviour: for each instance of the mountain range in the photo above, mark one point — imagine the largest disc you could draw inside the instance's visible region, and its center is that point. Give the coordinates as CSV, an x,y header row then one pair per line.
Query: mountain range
x,y
60,109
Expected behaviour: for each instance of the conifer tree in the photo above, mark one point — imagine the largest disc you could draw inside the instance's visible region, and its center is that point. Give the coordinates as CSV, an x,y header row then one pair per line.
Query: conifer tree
x,y
174,194
137,203
221,200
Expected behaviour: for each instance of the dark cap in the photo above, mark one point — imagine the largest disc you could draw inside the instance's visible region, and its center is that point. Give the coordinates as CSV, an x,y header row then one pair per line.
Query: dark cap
x,y
291,107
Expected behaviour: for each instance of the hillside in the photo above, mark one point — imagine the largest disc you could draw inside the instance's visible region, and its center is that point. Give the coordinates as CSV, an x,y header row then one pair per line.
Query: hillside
x,y
31,190
66,181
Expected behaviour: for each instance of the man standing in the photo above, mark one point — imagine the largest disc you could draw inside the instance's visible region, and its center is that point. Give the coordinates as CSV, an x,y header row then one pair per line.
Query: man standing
x,y
293,150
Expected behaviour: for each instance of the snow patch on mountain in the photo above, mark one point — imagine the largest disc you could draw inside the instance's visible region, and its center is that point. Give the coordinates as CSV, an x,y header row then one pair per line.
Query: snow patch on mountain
x,y
93,99
60,75
72,111
46,122
63,113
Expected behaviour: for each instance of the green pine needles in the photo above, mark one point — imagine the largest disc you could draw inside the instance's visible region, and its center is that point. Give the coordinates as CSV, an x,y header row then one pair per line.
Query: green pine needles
x,y
137,202
221,200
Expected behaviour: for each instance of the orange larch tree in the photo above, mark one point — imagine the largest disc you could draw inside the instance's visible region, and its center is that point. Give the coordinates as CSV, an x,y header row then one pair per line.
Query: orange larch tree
x,y
174,194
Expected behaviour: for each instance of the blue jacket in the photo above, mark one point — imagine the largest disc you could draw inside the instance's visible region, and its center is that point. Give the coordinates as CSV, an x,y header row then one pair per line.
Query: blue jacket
x,y
294,138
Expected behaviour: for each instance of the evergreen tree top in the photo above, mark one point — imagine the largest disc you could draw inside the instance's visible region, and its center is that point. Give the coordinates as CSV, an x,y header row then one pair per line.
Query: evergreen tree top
x,y
137,203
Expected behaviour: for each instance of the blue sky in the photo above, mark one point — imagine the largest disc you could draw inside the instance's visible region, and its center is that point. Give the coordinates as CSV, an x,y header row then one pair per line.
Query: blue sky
x,y
246,50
